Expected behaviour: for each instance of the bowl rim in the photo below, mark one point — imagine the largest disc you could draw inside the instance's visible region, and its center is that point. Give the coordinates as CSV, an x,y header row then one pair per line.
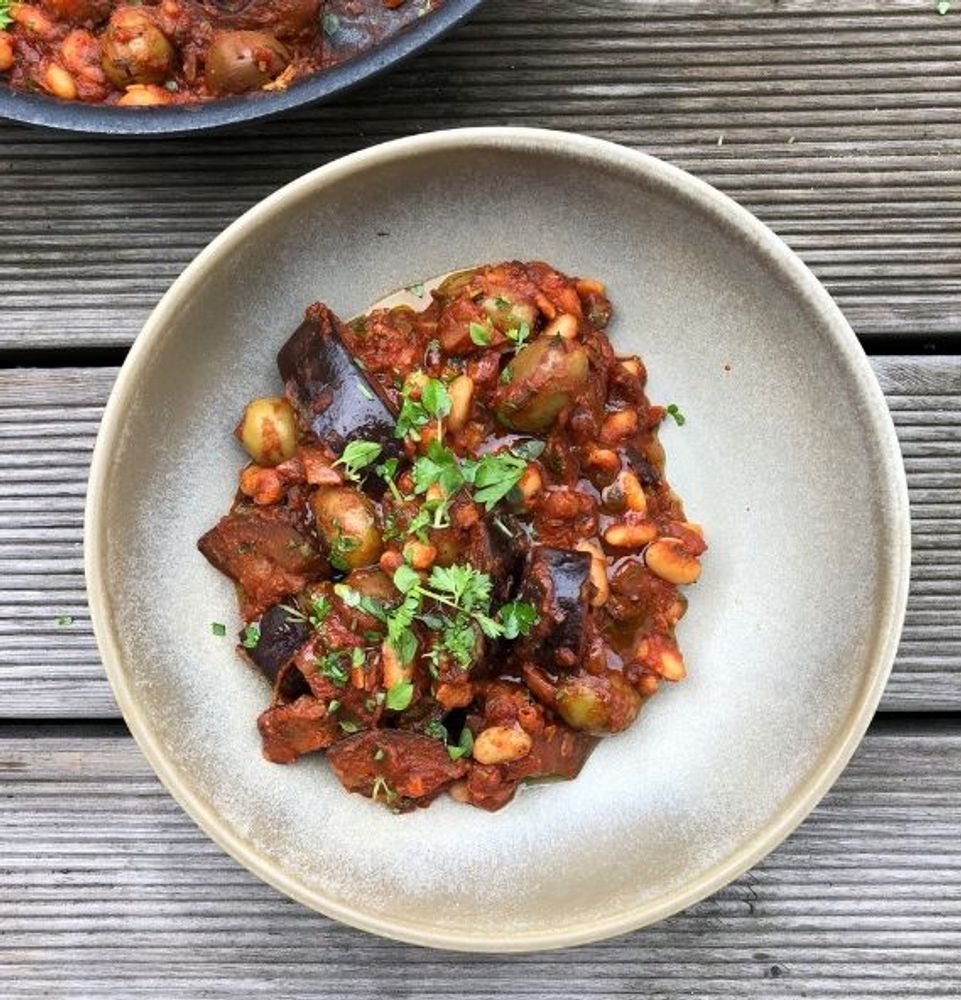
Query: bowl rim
x,y
184,119
891,607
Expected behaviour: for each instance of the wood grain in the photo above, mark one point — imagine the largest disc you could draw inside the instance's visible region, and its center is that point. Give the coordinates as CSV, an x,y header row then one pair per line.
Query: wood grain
x,y
109,890
48,421
838,124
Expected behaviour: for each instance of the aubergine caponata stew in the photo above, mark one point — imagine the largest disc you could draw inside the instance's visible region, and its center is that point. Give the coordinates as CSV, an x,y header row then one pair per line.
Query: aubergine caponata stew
x,y
456,553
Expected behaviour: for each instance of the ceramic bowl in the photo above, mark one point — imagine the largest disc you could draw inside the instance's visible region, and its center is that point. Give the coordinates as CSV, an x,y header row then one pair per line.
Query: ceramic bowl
x,y
788,457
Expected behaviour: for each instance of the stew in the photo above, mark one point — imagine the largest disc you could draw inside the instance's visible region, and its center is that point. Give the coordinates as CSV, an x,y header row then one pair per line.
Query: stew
x,y
184,51
455,549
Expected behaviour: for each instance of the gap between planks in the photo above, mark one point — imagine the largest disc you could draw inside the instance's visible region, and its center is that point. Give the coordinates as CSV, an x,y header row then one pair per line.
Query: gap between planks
x,y
109,889
48,421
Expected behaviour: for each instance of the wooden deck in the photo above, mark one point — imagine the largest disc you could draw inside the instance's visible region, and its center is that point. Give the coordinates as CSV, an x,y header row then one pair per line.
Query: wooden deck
x,y
837,124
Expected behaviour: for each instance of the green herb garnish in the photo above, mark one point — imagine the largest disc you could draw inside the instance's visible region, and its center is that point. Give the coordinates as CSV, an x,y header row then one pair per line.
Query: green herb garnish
x,y
435,730
63,620
332,668
464,745
479,334
331,23
356,456
218,628
399,696
675,412
519,335
251,636
348,726
416,289
365,390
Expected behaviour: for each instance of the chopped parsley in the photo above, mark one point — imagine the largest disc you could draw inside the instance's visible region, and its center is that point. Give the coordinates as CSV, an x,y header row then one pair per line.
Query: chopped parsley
x,y
348,726
378,754
332,668
416,289
434,402
675,412
340,546
519,335
250,636
354,599
356,456
63,620
517,618
464,745
399,696
943,7
5,17
358,658
331,23
480,334
435,730
218,628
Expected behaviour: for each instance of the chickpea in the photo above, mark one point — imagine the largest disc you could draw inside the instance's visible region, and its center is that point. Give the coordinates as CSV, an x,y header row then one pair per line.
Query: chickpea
x,y
263,486
630,533
602,460
564,326
598,572
435,493
501,745
33,20
268,431
391,561
346,521
618,426
625,492
670,560
394,670
135,50
647,685
632,366
60,83
420,555
145,95
6,51
459,793
660,654
461,392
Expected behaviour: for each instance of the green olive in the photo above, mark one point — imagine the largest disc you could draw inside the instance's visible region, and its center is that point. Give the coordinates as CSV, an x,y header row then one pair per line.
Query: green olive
x,y
267,430
346,521
134,49
541,381
238,61
598,704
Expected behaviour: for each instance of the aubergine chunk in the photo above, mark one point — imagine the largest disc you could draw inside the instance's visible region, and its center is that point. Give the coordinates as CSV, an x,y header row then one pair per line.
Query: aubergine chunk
x,y
555,581
396,767
263,551
281,635
290,731
557,752
329,391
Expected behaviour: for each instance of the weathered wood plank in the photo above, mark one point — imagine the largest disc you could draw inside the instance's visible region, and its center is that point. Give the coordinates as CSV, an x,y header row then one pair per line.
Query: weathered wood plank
x,y
840,125
48,422
109,890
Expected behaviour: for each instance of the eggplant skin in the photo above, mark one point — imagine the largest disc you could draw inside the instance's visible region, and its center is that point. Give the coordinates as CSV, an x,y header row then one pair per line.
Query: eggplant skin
x,y
555,581
280,637
329,391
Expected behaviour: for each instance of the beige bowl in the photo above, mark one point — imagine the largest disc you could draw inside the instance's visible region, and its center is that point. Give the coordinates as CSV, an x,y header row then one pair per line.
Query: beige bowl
x,y
788,457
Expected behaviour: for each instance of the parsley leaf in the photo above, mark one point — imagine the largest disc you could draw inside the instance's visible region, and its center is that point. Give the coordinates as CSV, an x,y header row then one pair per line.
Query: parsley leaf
x,y
218,628
517,618
399,696
496,476
479,334
251,636
519,335
405,579
332,668
675,412
438,466
416,289
464,745
435,398
5,17
349,726
358,455
435,730
331,23
68,620
354,599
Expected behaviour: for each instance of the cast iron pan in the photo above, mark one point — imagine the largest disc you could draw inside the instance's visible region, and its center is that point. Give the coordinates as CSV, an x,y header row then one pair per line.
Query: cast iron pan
x,y
37,109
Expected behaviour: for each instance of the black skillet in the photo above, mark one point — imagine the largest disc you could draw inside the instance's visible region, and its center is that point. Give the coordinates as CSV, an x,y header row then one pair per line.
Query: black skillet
x,y
38,109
